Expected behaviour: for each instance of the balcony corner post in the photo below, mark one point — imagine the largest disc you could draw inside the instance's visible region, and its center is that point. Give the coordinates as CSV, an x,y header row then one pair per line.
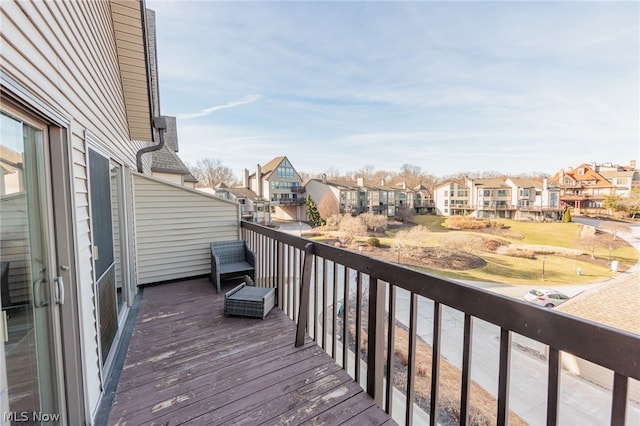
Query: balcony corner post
x,y
303,307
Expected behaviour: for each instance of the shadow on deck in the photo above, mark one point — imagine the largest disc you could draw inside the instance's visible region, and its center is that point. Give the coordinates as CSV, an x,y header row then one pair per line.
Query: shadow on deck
x,y
188,363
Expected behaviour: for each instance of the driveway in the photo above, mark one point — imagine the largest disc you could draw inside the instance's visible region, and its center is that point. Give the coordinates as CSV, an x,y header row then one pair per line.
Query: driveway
x,y
292,227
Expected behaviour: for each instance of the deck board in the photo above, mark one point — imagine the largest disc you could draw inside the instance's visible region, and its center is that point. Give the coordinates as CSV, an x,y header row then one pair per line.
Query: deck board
x,y
189,364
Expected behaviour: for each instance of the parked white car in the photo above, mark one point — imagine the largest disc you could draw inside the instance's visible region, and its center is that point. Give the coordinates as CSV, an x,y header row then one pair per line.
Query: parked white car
x,y
545,297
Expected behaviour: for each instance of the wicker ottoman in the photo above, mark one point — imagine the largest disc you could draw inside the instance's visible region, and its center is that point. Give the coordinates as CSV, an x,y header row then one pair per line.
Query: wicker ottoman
x,y
249,301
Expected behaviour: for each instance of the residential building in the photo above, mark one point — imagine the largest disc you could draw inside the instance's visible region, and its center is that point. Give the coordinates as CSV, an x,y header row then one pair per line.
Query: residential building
x,y
623,178
452,198
347,195
421,199
582,188
355,197
491,198
520,199
278,182
253,208
82,221
535,199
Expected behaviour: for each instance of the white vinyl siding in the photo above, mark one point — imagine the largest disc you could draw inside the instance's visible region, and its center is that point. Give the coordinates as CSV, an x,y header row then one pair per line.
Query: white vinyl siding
x,y
72,67
64,55
174,226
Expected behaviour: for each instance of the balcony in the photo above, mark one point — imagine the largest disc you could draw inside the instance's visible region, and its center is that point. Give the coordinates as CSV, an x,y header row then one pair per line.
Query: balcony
x,y
288,202
187,362
375,296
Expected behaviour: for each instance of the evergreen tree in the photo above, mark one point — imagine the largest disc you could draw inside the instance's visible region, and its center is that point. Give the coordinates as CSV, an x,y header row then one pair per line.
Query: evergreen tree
x,y
312,212
566,215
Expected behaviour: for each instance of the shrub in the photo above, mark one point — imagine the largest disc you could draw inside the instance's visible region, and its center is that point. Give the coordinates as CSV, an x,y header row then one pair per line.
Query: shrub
x,y
466,222
373,242
374,222
524,254
351,227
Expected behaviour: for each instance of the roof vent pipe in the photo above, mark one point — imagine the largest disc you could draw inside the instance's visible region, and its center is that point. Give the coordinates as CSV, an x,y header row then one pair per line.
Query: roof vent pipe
x,y
160,124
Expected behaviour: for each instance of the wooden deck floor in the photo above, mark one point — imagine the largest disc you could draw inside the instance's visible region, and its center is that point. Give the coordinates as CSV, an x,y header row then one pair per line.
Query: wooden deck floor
x,y
189,364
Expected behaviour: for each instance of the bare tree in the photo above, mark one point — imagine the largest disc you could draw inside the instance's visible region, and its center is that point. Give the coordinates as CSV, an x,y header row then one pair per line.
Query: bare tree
x,y
328,207
405,214
352,227
366,171
591,243
615,228
210,172
374,222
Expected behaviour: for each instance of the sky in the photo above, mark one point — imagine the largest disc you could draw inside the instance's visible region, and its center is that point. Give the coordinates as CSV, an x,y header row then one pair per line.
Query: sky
x,y
513,87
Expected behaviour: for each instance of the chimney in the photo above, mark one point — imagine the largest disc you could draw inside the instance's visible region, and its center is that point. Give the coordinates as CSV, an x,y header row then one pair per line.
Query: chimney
x,y
324,178
360,181
632,163
258,180
545,184
245,178
382,182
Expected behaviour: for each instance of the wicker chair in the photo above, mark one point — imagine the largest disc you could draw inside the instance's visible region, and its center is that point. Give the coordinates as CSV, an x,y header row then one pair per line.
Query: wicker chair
x,y
231,259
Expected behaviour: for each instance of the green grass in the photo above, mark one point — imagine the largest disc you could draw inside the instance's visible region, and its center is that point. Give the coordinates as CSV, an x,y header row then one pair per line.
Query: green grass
x,y
515,270
511,270
545,233
433,223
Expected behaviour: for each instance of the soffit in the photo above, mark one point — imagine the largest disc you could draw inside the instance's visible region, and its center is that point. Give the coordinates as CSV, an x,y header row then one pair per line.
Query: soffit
x,y
130,38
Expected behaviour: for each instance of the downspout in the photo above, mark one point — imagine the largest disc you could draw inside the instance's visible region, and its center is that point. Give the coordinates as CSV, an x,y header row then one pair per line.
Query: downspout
x,y
160,124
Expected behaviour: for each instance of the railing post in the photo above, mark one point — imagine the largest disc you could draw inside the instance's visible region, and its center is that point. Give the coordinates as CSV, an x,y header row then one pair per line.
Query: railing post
x,y
375,335
303,307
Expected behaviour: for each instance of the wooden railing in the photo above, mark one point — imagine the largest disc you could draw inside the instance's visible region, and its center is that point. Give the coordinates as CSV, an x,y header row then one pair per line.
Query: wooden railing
x,y
320,286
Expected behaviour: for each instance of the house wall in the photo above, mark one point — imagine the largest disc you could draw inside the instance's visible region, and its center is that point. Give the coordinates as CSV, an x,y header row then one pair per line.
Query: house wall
x,y
62,56
174,227
169,177
318,190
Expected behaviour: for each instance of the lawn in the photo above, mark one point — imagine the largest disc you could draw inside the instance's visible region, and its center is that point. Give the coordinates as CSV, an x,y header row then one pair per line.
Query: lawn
x,y
558,269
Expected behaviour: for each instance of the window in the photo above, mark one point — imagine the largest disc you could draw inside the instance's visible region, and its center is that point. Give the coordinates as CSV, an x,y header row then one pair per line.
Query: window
x,y
502,192
285,170
525,192
486,193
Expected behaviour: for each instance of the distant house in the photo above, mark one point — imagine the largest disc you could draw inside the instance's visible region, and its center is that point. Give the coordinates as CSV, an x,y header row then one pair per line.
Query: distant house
x,y
582,188
253,208
521,199
347,195
452,198
623,178
359,196
491,198
279,182
535,199
420,199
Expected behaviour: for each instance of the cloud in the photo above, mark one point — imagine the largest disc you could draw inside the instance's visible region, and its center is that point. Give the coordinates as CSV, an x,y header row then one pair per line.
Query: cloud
x,y
242,101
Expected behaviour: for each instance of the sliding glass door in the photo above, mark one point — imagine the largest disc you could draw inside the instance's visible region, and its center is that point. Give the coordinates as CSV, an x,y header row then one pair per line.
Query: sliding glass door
x,y
30,290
